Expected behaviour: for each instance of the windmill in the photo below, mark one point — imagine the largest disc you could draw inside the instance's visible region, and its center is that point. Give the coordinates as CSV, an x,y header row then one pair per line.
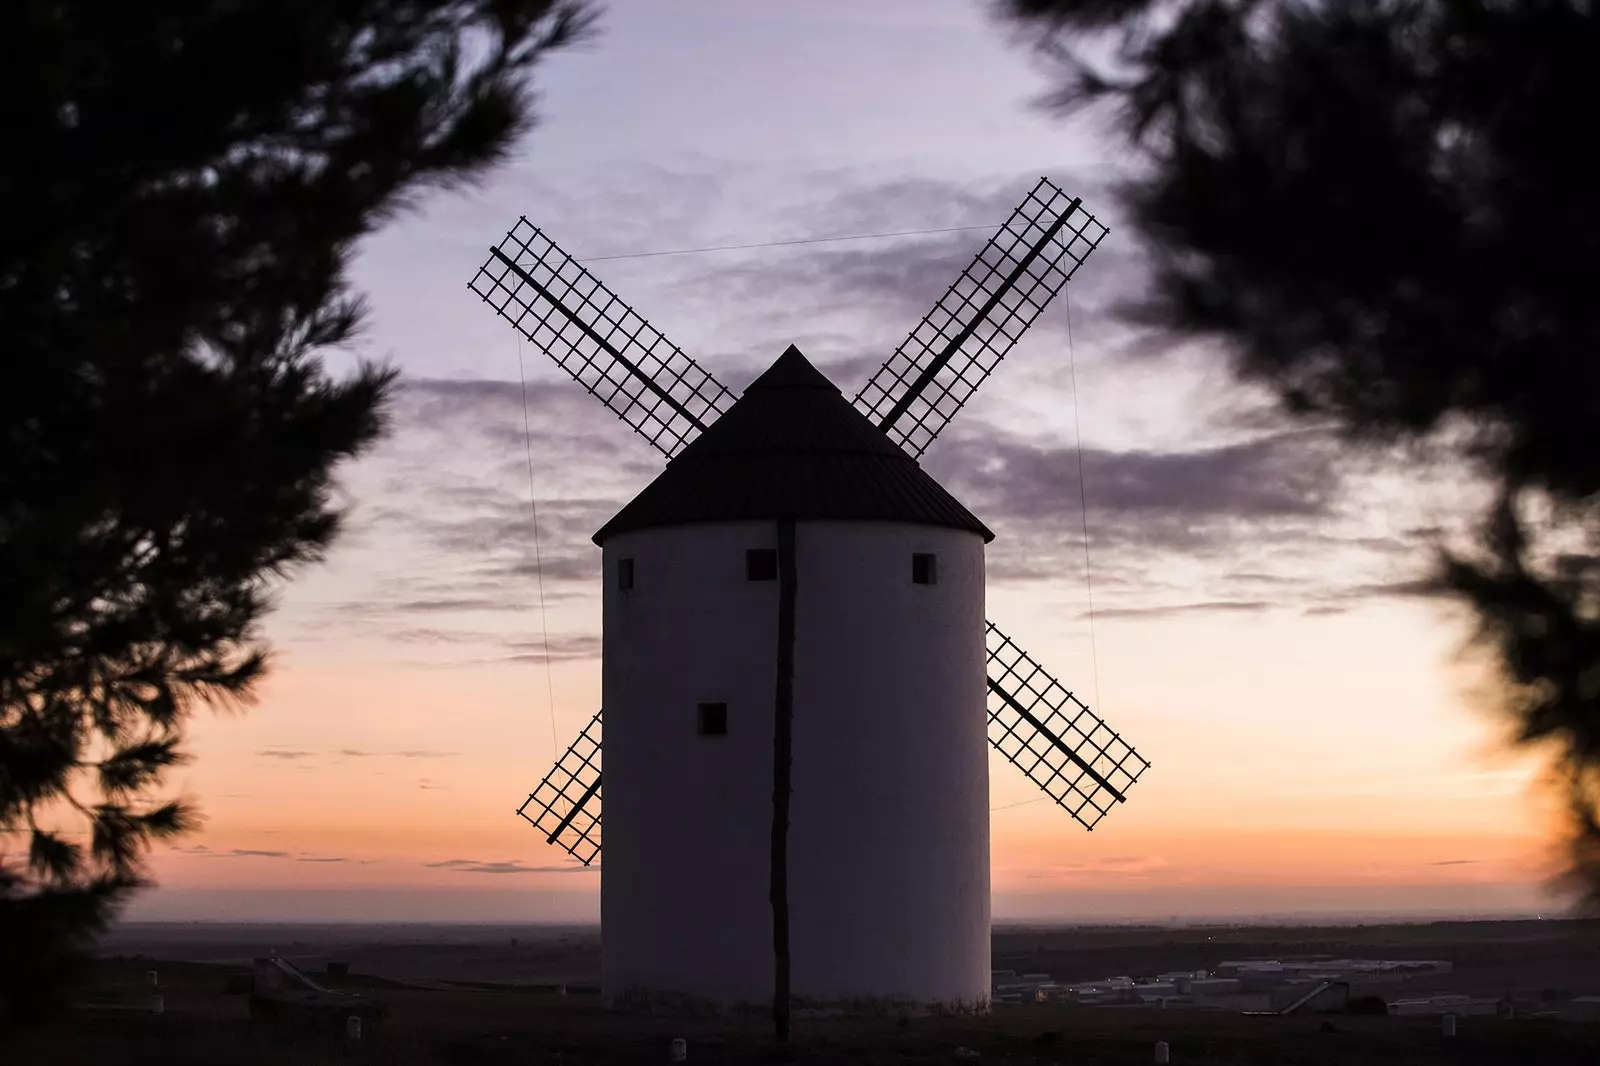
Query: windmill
x,y
795,651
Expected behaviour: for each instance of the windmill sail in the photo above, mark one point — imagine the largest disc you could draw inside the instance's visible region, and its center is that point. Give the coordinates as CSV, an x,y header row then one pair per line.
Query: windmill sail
x,y
1041,728
611,351
916,393
1053,738
566,805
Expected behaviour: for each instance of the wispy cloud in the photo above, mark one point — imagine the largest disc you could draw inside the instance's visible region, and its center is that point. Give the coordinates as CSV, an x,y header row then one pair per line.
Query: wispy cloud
x,y
459,604
450,553
1280,490
285,754
1132,867
473,866
1171,610
901,278
361,753
1311,600
559,649
231,853
1214,506
204,852
1280,476
234,853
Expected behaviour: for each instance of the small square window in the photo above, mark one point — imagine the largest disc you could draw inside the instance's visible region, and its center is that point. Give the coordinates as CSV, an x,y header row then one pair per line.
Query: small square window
x,y
625,574
712,720
924,568
761,564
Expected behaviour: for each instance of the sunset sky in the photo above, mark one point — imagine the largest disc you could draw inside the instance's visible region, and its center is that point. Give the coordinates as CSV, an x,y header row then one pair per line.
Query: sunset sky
x,y
1314,743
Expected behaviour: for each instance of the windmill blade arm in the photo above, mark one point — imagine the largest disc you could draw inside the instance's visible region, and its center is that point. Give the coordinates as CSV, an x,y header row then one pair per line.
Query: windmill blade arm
x,y
1008,284
566,805
617,356
1052,736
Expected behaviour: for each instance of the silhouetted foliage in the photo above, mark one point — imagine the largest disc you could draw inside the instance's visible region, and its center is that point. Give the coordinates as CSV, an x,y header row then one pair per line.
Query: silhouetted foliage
x,y
184,187
1381,205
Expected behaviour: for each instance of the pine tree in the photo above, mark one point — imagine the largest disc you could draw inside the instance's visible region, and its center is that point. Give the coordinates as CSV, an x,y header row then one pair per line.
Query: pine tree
x,y
184,186
1382,206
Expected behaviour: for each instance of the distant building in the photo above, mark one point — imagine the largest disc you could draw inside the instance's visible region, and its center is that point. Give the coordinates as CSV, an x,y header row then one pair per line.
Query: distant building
x,y
1318,984
1462,1006
1582,1009
1214,986
1312,997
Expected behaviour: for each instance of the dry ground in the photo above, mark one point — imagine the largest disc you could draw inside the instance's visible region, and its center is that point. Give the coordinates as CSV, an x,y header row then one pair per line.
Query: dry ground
x,y
1490,958
499,1023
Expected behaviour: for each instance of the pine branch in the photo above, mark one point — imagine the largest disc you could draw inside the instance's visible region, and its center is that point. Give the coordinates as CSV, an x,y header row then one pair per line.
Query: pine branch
x,y
137,766
169,431
1373,205
54,858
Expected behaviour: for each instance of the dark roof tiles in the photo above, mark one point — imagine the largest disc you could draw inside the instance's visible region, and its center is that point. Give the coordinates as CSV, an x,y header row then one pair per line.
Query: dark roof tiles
x,y
792,446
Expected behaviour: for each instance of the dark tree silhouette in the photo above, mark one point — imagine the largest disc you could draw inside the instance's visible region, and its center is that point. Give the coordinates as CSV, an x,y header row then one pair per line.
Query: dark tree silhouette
x,y
1381,204
184,185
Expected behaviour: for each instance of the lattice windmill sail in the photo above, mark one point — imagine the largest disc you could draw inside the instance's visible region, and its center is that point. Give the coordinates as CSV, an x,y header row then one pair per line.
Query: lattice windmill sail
x,y
1052,736
875,647
566,805
622,360
976,323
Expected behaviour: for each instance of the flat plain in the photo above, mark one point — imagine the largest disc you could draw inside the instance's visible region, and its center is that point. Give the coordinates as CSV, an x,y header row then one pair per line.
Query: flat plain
x,y
484,995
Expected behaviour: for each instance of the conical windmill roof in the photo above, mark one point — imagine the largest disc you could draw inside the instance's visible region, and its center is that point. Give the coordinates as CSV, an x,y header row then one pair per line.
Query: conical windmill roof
x,y
792,447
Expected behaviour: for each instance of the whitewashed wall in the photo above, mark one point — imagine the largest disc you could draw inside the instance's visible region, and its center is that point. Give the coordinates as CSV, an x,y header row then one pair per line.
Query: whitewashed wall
x,y
889,842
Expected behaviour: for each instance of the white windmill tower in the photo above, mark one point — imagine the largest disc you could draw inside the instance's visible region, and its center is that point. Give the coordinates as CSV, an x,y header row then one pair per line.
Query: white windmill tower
x,y
795,653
